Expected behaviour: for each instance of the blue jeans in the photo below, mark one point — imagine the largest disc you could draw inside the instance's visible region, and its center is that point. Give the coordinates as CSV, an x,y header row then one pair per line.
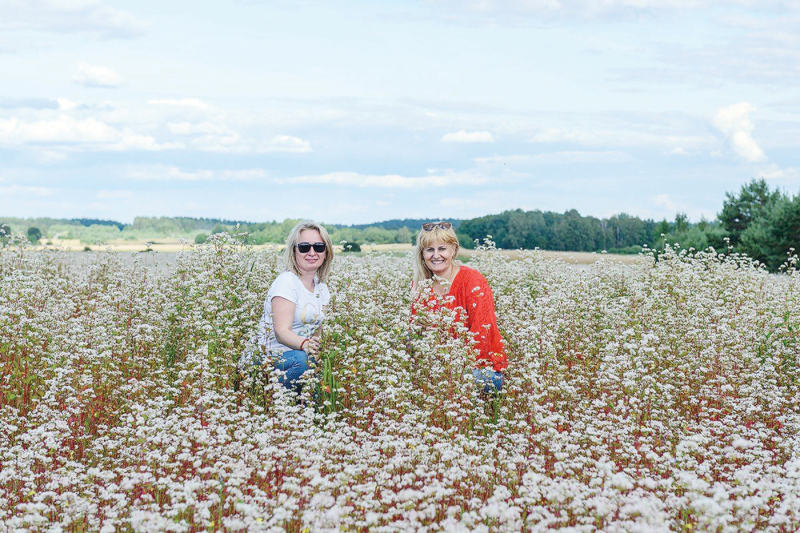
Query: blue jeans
x,y
294,364
492,381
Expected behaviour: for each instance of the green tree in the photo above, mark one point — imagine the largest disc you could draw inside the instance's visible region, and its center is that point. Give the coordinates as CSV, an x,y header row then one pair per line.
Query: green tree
x,y
479,228
220,228
464,241
754,200
770,236
576,233
403,235
34,234
378,235
526,229
662,228
681,223
626,231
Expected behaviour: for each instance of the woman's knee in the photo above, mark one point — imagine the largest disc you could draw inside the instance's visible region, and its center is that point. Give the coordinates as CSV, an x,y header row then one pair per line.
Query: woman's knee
x,y
293,364
292,360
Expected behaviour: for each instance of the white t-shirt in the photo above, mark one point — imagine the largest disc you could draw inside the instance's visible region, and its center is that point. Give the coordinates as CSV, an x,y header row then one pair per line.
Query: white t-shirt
x,y
308,310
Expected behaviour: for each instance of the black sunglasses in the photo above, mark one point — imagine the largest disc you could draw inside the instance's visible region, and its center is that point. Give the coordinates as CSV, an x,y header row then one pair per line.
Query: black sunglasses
x,y
441,225
305,247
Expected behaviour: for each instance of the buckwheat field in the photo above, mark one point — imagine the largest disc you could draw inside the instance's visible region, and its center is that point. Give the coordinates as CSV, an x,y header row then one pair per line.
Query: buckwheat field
x,y
657,396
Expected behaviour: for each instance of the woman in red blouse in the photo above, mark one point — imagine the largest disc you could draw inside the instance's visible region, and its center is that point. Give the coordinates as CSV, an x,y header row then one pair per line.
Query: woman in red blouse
x,y
469,295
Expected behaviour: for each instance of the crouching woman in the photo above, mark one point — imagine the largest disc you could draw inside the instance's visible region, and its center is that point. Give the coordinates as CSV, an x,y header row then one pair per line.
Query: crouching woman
x,y
290,328
465,290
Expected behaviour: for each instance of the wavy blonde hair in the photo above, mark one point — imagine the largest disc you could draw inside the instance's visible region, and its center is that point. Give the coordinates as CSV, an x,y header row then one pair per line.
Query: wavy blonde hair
x,y
289,258
427,238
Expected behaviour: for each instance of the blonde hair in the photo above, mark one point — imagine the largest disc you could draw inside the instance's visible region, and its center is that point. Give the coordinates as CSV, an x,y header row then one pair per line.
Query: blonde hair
x,y
289,258
424,240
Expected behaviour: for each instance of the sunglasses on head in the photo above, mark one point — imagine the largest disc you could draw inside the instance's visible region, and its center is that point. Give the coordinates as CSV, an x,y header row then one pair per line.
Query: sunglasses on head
x,y
305,247
441,225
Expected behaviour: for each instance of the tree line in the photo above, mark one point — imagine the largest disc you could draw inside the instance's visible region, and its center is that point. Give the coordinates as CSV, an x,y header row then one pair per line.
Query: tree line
x,y
758,221
761,222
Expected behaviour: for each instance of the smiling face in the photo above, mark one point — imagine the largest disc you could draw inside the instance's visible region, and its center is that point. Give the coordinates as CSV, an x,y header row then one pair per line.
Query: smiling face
x,y
309,262
438,257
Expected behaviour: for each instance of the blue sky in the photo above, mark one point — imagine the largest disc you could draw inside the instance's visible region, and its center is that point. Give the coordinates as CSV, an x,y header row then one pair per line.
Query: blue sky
x,y
352,112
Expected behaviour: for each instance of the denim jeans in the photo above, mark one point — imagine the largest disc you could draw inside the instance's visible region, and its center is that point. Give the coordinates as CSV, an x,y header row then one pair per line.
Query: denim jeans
x,y
492,381
294,364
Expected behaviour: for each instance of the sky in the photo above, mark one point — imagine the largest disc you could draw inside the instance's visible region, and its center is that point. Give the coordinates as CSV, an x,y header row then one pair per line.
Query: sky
x,y
355,112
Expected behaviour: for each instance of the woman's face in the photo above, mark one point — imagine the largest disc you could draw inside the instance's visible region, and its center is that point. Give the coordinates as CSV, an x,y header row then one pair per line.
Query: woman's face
x,y
438,257
310,261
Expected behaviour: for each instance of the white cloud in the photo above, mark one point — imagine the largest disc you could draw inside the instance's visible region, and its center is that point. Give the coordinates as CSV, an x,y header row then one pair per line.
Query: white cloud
x,y
787,177
65,104
94,76
69,16
189,128
65,130
62,129
173,173
286,143
511,11
565,157
72,130
183,102
22,190
346,209
114,195
463,203
133,141
170,173
241,175
734,122
210,136
464,136
664,200
618,138
353,179
228,143
773,174
49,157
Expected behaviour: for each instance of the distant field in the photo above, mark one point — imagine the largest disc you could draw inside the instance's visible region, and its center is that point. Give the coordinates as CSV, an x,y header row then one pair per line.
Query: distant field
x,y
581,258
176,245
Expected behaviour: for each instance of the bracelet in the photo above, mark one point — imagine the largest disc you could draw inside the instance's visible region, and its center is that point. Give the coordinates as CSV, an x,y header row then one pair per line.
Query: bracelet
x,y
302,343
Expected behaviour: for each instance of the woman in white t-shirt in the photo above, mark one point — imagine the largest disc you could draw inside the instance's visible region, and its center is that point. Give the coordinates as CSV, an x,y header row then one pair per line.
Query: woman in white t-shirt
x,y
289,330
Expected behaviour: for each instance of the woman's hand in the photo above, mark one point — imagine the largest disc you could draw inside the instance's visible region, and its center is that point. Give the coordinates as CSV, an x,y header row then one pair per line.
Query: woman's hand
x,y
311,347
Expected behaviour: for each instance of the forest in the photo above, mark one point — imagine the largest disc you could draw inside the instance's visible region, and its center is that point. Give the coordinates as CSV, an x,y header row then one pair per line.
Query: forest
x,y
758,221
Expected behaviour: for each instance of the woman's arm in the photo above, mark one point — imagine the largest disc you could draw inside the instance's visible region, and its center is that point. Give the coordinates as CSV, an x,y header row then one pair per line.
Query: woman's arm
x,y
482,322
282,318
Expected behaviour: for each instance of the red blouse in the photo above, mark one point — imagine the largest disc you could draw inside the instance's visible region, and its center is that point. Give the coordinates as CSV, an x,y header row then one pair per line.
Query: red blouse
x,y
474,304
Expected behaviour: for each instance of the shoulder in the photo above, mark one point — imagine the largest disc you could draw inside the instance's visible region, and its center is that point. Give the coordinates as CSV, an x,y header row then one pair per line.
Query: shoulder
x,y
470,275
286,278
285,285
